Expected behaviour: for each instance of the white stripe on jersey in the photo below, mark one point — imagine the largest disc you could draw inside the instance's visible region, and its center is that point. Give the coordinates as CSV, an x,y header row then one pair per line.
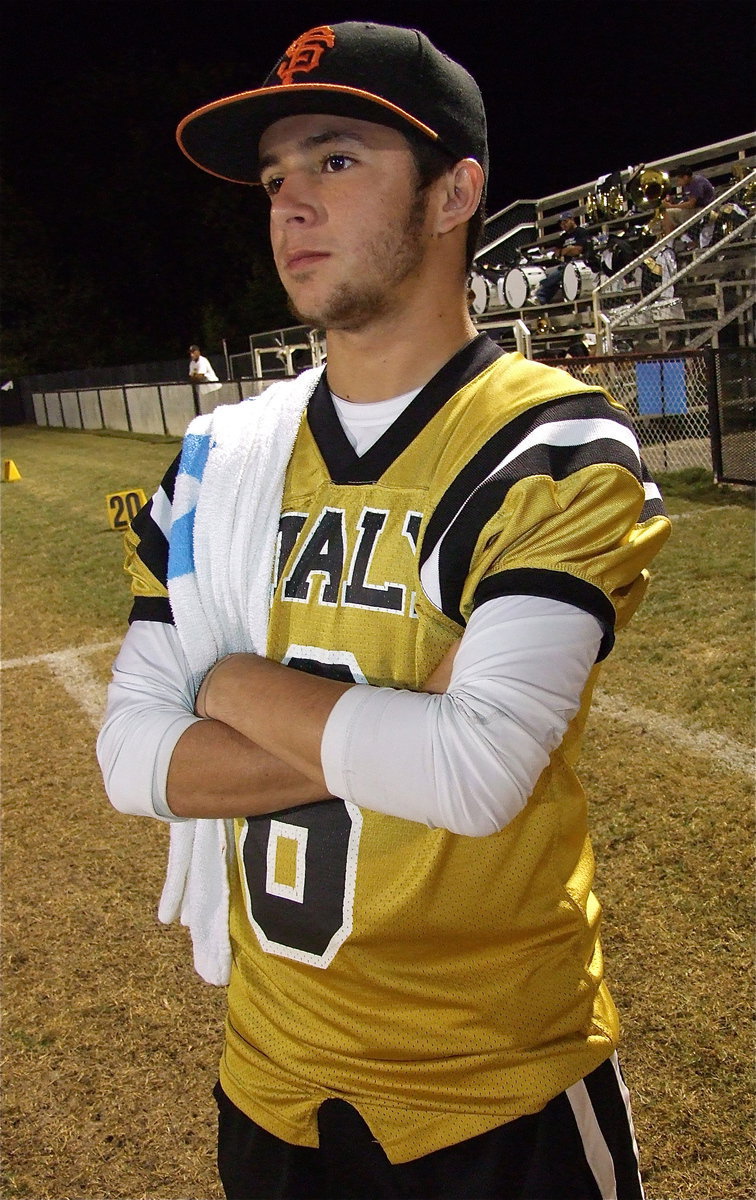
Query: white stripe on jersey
x,y
579,432
651,491
574,433
625,1094
597,1152
161,512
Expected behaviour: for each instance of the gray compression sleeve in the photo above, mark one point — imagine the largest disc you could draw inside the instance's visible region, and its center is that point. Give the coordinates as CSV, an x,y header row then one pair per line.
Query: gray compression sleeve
x,y
467,760
150,705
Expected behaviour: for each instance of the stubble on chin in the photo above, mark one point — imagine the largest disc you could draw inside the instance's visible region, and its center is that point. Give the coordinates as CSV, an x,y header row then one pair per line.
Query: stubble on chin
x,y
351,306
348,308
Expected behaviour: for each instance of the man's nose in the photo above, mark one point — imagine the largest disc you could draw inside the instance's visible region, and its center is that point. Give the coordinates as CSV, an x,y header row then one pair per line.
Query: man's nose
x,y
296,199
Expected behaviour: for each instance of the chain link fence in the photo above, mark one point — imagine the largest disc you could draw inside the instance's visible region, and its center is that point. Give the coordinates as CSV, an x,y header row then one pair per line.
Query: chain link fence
x,y
667,398
732,403
689,408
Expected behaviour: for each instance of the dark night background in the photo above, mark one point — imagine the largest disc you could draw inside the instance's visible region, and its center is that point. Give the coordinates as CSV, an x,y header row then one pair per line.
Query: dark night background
x,y
115,249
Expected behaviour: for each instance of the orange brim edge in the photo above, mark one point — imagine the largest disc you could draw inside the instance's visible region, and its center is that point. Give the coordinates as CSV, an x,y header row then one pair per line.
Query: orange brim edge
x,y
292,87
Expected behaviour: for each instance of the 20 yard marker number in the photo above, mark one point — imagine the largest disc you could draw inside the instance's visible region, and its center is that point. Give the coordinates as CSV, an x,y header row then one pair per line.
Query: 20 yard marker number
x,y
123,507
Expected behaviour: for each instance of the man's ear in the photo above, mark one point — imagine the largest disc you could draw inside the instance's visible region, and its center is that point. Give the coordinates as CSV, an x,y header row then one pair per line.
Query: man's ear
x,y
462,189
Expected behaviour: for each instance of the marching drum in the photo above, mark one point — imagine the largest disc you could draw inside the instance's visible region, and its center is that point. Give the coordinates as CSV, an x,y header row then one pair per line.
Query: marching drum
x,y
520,284
578,280
482,291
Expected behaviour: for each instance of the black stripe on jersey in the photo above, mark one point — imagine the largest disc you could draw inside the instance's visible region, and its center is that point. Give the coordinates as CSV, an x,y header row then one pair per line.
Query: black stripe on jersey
x,y
654,506
151,608
479,490
153,552
153,544
584,406
344,465
552,585
556,462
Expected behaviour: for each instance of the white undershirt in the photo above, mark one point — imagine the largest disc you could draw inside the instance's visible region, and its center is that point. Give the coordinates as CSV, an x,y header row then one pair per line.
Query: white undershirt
x,y
365,423
466,761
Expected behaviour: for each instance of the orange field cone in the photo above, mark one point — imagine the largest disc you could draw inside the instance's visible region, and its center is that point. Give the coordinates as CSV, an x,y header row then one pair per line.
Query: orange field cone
x,y
10,471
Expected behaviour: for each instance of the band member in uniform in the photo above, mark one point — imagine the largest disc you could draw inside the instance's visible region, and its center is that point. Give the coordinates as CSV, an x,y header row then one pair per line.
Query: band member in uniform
x,y
369,609
573,242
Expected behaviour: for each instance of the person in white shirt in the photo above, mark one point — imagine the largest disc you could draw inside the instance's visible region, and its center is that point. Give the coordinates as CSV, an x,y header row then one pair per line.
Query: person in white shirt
x,y
201,370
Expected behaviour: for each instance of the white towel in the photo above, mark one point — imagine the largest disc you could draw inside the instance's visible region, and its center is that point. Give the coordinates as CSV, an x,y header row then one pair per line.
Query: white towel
x,y
196,892
226,510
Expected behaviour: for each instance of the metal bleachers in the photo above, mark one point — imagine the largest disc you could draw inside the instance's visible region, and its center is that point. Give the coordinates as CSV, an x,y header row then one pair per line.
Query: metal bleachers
x,y
707,284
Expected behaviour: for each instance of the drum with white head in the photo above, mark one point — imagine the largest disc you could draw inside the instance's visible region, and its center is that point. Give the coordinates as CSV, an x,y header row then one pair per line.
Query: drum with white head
x,y
520,285
578,280
482,291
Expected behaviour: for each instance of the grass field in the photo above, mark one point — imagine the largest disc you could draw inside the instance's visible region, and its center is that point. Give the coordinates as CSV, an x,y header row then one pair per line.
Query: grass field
x,y
110,1041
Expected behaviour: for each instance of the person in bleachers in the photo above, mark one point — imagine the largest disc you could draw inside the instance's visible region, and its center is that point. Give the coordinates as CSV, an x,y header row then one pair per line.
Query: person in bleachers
x,y
574,242
697,192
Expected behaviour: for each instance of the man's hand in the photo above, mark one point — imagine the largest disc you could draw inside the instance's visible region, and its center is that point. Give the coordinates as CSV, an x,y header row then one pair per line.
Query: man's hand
x,y
277,707
258,748
248,667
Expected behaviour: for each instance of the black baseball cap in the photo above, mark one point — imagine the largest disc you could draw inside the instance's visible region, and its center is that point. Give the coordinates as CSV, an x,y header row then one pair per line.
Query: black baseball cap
x,y
381,73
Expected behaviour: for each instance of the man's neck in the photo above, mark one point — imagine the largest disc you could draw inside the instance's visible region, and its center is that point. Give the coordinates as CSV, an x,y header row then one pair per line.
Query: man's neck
x,y
395,355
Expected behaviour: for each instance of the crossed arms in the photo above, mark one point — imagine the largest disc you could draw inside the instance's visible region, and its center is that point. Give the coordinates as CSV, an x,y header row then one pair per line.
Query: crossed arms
x,y
463,754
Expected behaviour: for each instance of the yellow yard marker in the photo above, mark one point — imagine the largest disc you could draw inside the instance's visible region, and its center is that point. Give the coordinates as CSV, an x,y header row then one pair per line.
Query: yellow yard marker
x,y
124,506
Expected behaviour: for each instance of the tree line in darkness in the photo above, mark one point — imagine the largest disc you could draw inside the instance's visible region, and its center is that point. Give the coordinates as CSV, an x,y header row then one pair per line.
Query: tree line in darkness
x,y
116,249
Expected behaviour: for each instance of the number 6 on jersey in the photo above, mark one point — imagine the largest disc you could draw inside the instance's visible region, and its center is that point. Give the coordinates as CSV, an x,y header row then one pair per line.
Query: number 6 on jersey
x,y
300,867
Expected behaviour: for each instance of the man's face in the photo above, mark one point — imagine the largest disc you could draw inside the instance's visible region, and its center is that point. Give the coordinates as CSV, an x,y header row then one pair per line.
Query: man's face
x,y
194,355
347,224
567,224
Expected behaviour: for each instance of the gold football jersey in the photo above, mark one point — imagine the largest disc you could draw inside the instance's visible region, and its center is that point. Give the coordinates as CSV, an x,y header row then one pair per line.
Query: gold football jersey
x,y
441,984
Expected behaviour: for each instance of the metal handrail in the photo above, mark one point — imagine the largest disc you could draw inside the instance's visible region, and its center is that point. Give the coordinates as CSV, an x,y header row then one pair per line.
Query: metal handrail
x,y
522,335
699,156
479,254
667,240
508,233
730,315
686,270
604,338
523,340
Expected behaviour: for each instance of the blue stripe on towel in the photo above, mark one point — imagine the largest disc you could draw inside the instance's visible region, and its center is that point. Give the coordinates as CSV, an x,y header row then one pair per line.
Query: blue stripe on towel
x,y
181,547
194,454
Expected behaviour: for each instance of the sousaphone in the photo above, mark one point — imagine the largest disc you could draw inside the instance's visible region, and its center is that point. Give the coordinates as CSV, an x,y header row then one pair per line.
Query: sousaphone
x,y
647,186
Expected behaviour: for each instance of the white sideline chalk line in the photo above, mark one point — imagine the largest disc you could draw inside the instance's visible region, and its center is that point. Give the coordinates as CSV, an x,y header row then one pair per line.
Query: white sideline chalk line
x,y
52,656
688,516
717,747
81,684
72,670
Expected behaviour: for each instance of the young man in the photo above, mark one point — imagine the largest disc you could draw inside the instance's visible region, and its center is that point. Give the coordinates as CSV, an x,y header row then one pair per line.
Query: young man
x,y
200,370
429,546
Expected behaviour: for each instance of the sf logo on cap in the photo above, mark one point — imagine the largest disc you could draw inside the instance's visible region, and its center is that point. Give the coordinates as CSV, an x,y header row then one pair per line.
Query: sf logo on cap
x,y
305,53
